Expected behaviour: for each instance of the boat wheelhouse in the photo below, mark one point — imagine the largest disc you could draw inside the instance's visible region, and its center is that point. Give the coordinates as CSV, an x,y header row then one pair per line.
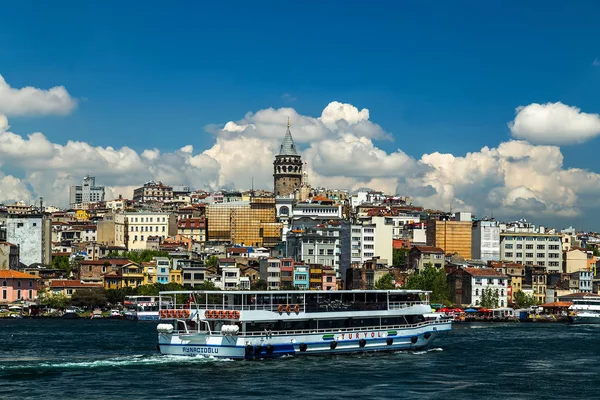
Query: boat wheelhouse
x,y
251,325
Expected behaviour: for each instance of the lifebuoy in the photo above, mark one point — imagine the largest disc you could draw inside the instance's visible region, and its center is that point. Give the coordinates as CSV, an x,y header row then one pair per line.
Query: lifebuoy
x,y
186,313
280,309
288,309
297,309
236,314
229,314
179,313
207,314
163,313
222,314
213,314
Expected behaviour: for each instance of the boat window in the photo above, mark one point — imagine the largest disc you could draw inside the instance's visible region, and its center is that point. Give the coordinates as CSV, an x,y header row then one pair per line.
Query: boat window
x,y
360,322
260,326
334,323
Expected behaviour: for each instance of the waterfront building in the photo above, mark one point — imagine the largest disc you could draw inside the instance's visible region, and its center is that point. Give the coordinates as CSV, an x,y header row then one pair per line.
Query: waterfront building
x,y
18,286
582,281
249,223
467,285
175,276
532,248
419,256
329,279
111,230
287,273
536,277
485,240
315,277
364,277
193,273
33,235
287,167
301,276
93,271
514,272
153,192
270,272
68,287
86,193
142,225
451,235
129,275
230,274
9,255
163,267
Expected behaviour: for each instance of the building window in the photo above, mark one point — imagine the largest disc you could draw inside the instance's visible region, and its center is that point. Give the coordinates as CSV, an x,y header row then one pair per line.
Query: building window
x,y
4,283
19,294
509,254
540,255
30,284
19,285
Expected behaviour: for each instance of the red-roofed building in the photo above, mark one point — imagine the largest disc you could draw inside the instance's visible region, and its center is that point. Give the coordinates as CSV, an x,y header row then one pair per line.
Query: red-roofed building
x,y
67,287
467,286
92,271
18,286
193,228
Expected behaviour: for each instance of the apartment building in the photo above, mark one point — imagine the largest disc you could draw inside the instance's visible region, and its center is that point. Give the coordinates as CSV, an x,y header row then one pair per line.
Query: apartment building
x,y
142,225
527,248
153,192
485,241
86,193
451,235
270,272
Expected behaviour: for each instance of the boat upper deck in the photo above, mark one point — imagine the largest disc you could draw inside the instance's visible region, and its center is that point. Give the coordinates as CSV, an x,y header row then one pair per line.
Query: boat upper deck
x,y
302,301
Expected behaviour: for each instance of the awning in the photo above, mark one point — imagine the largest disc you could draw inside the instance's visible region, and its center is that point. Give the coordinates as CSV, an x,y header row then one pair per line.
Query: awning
x,y
470,310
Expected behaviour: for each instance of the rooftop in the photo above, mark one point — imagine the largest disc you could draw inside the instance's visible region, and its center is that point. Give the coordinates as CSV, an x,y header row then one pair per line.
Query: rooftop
x,y
11,274
288,148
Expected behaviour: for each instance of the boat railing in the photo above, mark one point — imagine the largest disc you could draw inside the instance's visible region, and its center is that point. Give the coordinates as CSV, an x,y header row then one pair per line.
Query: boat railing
x,y
356,329
308,308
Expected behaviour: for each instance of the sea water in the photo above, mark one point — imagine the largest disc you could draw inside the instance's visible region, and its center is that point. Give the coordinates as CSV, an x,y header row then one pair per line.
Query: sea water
x,y
102,359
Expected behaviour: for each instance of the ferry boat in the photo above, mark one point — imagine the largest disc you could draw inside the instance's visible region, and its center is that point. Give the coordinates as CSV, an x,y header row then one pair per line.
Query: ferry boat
x,y
585,310
141,308
264,324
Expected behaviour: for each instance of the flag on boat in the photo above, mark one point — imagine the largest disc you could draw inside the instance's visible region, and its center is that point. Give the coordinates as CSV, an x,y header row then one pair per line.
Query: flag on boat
x,y
190,300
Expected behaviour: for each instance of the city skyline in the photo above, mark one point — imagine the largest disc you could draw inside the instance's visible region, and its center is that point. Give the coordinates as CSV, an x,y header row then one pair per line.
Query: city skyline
x,y
446,126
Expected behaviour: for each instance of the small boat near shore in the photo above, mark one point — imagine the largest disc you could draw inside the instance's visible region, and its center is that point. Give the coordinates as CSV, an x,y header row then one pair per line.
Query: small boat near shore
x,y
266,324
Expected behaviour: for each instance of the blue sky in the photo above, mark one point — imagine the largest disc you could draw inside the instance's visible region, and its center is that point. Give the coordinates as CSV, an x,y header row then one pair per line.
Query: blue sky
x,y
438,76
451,74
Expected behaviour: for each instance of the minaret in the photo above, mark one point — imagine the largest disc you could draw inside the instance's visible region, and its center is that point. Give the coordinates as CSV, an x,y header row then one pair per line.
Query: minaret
x,y
287,167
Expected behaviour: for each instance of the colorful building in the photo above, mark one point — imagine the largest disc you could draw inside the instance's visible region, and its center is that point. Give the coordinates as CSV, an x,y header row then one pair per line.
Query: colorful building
x,y
301,276
68,287
17,286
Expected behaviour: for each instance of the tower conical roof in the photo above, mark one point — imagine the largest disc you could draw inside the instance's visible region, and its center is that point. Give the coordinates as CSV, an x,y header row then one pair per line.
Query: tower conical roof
x,y
288,148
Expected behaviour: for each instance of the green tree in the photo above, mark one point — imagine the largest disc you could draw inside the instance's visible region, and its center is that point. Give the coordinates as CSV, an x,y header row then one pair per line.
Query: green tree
x,y
58,301
62,262
206,285
593,249
399,257
489,298
89,298
432,279
259,284
211,262
386,282
523,300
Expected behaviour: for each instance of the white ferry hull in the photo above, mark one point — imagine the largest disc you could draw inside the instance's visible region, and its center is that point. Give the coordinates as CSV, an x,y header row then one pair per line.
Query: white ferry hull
x,y
256,347
586,318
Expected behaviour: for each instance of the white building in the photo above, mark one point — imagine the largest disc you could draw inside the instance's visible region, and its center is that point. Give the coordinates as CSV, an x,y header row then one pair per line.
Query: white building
x,y
485,241
372,238
142,225
469,284
542,249
33,235
270,271
86,193
317,211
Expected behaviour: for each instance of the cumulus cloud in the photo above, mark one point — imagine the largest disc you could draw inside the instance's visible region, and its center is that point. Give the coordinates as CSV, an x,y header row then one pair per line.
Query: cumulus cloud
x,y
516,178
554,123
33,101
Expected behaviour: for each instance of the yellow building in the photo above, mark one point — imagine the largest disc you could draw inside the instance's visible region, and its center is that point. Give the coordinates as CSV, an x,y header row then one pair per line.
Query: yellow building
x,y
175,276
129,275
451,236
249,223
149,272
82,215
315,280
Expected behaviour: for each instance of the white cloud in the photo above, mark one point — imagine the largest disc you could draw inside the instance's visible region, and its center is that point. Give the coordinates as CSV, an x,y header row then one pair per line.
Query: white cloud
x,y
516,178
554,123
34,101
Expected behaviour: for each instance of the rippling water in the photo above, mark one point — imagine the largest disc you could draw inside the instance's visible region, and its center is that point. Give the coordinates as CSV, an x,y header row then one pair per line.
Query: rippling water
x,y
99,359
